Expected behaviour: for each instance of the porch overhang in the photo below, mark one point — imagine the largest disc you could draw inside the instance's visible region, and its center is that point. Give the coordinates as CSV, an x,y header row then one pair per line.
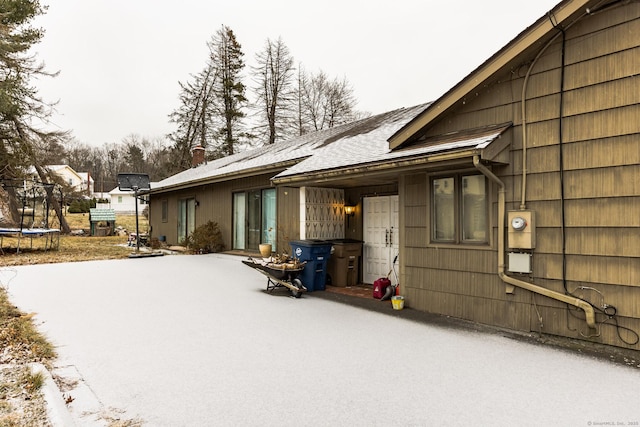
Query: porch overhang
x,y
446,152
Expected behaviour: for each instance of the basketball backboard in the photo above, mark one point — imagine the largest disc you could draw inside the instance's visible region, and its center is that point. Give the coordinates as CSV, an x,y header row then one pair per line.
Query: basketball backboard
x,y
133,182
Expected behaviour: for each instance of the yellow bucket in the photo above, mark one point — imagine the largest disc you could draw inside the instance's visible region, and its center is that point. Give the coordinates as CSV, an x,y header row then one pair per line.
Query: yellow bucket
x,y
397,302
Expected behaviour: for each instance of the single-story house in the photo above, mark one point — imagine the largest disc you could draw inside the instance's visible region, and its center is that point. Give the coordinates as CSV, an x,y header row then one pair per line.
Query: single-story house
x,y
512,200
237,191
124,202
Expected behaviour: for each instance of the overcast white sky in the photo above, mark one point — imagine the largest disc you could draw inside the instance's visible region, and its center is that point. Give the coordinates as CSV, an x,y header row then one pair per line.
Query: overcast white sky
x,y
120,61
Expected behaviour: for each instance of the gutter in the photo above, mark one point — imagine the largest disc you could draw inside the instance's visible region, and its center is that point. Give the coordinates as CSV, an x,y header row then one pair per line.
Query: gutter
x,y
245,173
375,168
576,302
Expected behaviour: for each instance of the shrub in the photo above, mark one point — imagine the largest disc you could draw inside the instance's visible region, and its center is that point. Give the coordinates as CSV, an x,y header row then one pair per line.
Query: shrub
x,y
75,207
205,239
81,205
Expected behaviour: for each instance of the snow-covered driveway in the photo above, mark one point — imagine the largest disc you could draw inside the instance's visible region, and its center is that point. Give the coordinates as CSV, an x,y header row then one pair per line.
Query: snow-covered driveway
x,y
194,341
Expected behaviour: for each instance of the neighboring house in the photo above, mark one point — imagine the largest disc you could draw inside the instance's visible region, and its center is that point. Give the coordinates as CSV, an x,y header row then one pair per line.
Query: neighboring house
x,y
68,175
80,182
88,184
512,200
124,202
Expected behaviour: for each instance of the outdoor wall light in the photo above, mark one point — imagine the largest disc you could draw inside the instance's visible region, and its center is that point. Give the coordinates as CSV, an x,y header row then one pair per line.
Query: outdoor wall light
x,y
349,210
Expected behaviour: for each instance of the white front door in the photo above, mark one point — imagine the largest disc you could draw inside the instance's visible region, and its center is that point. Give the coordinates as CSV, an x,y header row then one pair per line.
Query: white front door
x,y
381,229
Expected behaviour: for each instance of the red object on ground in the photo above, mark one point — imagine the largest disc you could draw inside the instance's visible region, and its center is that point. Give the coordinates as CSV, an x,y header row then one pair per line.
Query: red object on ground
x,y
380,286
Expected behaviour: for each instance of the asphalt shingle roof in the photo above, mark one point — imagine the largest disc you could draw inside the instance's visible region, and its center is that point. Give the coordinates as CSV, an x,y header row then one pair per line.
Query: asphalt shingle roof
x,y
282,153
351,143
365,143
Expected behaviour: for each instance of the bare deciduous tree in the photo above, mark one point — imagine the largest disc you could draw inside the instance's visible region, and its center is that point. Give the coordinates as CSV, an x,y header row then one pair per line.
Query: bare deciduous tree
x,y
323,103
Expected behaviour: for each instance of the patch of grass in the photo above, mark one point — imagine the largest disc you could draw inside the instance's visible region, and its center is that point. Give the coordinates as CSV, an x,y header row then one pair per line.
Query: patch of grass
x,y
18,332
33,381
21,401
10,420
79,221
72,248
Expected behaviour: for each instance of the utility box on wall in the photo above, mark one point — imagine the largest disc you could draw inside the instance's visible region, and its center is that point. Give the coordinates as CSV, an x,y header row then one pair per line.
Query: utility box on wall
x,y
521,234
519,262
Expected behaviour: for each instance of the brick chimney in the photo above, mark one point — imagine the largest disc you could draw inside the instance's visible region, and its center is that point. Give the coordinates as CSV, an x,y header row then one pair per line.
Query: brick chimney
x,y
198,156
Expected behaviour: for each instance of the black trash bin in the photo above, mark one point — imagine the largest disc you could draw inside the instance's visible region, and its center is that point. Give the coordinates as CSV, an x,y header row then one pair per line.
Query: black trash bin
x,y
344,265
316,253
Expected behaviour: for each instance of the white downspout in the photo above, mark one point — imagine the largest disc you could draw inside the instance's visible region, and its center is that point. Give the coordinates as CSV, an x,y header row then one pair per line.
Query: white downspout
x,y
576,302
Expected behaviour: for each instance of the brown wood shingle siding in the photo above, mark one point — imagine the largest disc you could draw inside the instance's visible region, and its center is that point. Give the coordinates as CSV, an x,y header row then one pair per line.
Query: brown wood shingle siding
x,y
601,150
215,204
288,207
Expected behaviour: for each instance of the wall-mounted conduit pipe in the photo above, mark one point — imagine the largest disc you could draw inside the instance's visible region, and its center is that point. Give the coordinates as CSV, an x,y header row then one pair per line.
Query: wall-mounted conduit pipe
x,y
590,315
563,222
523,102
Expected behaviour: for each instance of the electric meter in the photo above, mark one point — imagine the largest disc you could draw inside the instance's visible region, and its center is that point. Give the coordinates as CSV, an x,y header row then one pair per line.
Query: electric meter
x,y
518,223
521,231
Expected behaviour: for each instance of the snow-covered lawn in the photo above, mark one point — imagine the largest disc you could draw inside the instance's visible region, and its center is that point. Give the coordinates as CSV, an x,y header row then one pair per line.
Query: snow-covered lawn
x,y
195,341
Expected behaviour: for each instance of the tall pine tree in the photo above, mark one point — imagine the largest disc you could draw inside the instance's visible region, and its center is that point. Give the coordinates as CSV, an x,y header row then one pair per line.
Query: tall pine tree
x,y
211,104
22,142
225,55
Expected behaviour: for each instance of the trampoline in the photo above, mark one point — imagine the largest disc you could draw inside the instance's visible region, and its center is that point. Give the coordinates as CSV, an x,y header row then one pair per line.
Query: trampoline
x,y
51,236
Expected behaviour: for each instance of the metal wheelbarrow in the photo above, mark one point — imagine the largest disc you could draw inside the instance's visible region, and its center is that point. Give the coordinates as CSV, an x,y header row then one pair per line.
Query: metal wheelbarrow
x,y
280,274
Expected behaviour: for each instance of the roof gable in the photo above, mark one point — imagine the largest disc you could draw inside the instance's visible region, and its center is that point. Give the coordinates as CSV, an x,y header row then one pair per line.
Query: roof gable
x,y
65,171
86,176
524,45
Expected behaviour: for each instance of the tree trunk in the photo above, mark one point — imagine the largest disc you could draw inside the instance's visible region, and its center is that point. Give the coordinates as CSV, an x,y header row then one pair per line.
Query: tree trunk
x,y
64,226
13,204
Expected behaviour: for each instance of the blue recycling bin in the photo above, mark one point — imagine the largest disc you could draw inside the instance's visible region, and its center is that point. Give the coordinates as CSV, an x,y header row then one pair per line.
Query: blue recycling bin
x,y
316,253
